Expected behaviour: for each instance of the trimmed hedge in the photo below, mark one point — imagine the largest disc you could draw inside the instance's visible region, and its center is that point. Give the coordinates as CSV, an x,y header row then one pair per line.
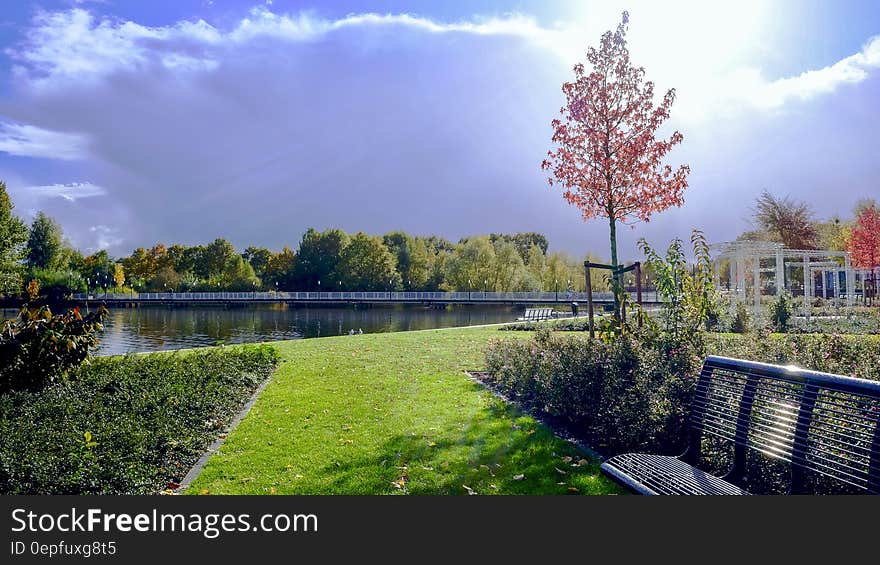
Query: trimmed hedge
x,y
618,395
633,393
853,355
125,425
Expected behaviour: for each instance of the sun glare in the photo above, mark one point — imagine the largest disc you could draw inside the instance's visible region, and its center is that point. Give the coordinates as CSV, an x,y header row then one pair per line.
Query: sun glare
x,y
690,45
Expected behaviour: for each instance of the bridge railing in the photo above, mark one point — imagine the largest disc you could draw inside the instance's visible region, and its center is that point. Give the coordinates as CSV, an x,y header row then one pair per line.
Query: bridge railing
x,y
459,296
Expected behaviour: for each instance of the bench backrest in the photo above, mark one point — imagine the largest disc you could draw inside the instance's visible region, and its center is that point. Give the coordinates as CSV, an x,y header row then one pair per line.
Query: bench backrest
x,y
538,313
818,423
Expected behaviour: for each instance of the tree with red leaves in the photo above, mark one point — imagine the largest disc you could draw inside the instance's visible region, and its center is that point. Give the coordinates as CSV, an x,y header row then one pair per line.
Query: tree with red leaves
x,y
608,159
864,243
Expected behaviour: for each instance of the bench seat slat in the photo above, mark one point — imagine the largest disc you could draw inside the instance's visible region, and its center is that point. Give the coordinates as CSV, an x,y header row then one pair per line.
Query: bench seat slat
x,y
658,474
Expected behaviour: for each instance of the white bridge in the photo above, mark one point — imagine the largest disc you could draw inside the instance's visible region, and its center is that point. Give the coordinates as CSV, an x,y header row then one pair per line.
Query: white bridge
x,y
462,297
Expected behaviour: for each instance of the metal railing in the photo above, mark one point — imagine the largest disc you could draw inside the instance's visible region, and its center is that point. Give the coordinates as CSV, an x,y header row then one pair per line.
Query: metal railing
x,y
374,296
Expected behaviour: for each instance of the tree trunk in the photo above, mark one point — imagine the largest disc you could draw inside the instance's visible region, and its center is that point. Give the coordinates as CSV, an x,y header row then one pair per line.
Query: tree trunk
x,y
615,283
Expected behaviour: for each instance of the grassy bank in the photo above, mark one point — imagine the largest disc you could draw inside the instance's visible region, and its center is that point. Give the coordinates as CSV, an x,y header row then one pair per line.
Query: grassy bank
x,y
390,414
125,425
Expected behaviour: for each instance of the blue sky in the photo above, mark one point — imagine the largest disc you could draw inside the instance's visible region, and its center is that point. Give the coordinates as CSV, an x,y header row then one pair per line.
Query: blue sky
x,y
180,121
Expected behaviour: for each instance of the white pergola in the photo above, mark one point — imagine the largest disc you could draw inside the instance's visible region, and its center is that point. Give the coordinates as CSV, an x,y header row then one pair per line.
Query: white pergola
x,y
778,261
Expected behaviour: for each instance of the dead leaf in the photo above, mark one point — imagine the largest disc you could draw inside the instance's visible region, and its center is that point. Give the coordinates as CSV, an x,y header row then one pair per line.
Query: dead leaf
x,y
518,477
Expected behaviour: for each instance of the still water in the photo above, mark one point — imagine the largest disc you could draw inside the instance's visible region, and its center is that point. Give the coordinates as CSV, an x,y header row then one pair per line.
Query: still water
x,y
154,328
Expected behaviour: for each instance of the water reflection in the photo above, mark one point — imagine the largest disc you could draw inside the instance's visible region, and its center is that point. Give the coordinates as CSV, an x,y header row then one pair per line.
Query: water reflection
x,y
152,328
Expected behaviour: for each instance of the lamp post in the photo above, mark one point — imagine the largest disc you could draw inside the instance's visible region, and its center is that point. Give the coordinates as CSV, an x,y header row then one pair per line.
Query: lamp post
x,y
556,288
469,290
319,289
485,287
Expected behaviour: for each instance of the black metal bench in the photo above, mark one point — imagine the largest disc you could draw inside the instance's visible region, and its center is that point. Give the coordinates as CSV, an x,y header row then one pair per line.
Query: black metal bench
x,y
822,429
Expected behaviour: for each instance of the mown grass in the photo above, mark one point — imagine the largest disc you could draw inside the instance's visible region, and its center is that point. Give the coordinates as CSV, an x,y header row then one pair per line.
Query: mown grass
x,y
392,414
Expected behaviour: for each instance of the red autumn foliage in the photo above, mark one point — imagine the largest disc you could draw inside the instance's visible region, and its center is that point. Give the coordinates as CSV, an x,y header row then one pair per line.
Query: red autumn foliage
x,y
864,243
608,158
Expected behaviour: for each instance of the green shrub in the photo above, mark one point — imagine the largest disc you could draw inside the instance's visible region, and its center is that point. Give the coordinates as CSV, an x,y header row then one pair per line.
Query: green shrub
x,y
37,348
57,286
125,425
741,319
634,392
621,394
781,311
691,303
562,325
853,355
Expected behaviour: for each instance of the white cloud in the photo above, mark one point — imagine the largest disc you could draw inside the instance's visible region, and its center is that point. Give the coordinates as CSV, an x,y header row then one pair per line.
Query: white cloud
x,y
70,191
851,70
25,140
76,46
279,121
104,236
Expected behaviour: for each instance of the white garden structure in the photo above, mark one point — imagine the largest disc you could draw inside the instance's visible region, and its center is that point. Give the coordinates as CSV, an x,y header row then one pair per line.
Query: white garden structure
x,y
765,268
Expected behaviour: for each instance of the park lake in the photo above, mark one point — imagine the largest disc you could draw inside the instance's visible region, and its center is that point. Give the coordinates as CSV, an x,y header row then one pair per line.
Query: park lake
x,y
157,328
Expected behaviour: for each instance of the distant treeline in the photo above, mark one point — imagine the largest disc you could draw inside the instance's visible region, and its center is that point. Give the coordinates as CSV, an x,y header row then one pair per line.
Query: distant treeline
x,y
38,260
333,260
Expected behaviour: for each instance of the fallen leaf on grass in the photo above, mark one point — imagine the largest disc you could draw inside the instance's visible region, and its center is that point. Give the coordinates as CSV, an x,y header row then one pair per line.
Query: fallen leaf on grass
x,y
573,489
469,490
204,491
518,477
560,471
399,483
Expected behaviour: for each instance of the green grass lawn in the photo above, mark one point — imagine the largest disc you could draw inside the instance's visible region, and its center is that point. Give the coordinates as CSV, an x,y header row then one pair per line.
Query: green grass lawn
x,y
392,414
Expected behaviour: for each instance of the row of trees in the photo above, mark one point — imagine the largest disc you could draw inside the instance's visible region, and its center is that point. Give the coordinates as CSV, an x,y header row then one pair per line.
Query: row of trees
x,y
333,260
38,260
